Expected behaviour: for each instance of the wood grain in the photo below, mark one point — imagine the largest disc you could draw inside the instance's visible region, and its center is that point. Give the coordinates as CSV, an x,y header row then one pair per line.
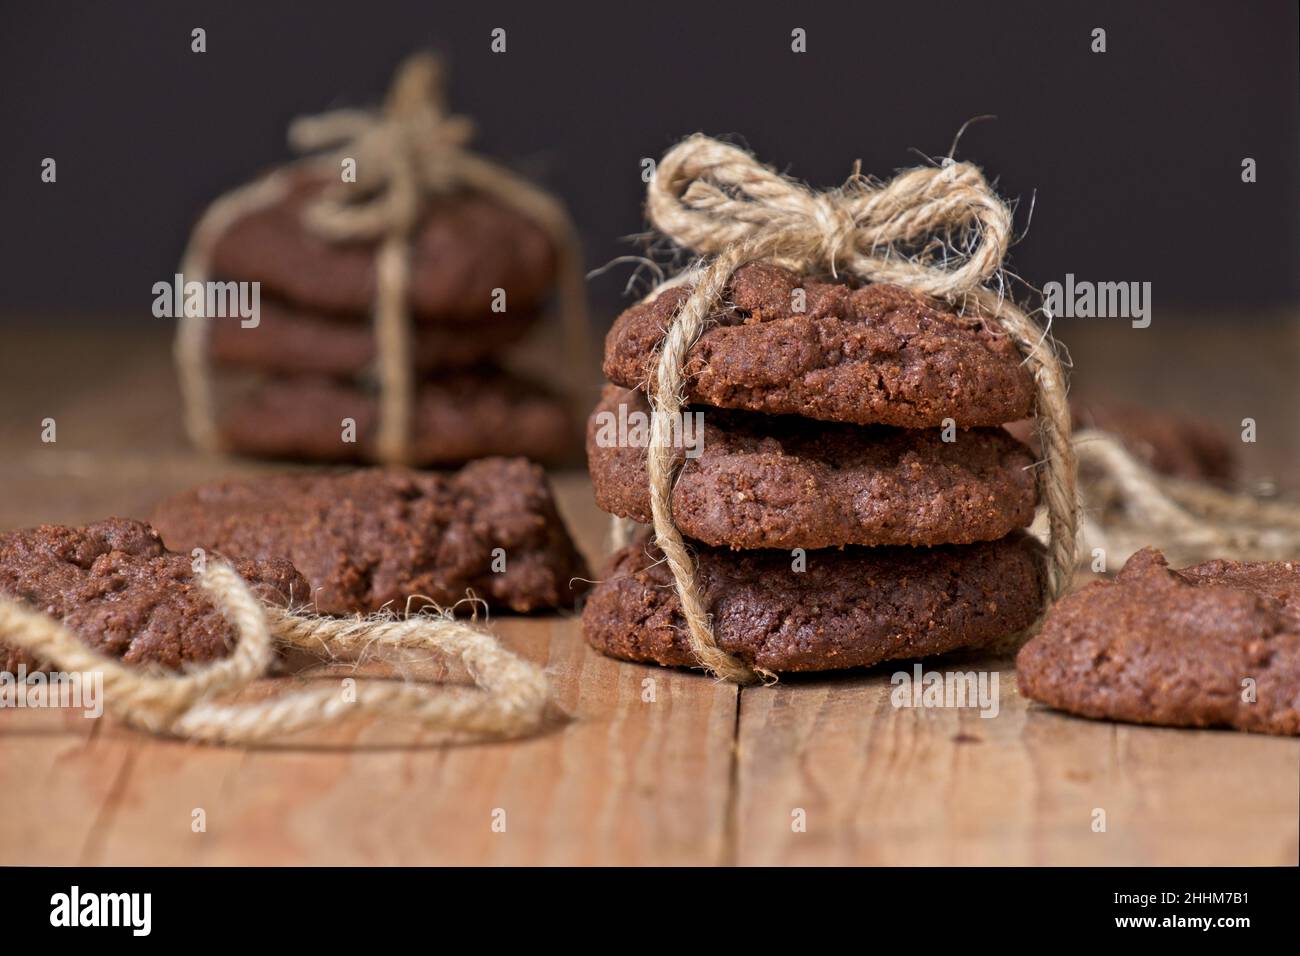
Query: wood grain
x,y
618,779
880,785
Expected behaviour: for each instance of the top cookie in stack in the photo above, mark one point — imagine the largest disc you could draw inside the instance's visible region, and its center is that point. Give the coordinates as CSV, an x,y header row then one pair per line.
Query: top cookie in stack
x,y
860,419
314,344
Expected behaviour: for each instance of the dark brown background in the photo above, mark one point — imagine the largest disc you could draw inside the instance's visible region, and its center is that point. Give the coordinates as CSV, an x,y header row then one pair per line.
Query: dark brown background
x,y
1133,156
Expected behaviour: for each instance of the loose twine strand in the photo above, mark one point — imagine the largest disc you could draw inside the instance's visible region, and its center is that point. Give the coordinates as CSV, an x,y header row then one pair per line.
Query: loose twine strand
x,y
941,231
409,151
1130,506
510,700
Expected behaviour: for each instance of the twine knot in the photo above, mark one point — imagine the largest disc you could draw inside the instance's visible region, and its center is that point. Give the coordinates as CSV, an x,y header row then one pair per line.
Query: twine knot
x,y
939,230
410,149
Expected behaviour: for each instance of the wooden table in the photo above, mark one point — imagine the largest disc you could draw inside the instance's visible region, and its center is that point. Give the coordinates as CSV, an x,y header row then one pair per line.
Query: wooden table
x,y
703,774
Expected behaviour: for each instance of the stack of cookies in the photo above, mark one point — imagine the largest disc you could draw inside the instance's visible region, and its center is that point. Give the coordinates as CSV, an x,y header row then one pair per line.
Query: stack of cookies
x,y
480,275
851,497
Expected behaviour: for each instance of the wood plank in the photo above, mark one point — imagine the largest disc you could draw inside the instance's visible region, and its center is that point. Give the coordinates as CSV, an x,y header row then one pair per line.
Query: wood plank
x,y
890,786
622,781
61,784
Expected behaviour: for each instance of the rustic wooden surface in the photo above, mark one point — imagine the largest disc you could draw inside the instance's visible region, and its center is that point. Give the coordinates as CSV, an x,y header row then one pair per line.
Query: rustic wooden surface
x,y
703,774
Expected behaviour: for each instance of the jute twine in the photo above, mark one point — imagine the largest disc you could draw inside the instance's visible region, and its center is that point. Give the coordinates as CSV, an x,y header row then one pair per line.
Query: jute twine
x,y
1128,506
941,231
408,152
510,699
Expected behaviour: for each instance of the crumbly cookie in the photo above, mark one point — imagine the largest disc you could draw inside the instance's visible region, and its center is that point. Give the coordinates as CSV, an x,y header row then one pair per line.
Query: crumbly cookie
x,y
297,341
466,246
118,588
849,608
760,481
1214,645
877,354
457,417
378,537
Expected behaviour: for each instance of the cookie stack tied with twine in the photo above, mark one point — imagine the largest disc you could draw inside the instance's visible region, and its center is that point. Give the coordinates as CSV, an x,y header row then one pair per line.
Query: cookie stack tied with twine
x,y
851,495
394,267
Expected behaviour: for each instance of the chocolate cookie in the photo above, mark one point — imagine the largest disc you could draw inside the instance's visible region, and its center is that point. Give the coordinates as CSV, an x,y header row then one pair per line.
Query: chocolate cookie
x,y
1169,443
466,246
458,416
760,481
877,354
288,339
1215,645
377,537
849,608
1173,444
116,586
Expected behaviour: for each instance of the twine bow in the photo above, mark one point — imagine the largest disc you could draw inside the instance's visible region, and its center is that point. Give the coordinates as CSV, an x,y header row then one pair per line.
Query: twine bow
x,y
409,151
511,699
709,196
941,231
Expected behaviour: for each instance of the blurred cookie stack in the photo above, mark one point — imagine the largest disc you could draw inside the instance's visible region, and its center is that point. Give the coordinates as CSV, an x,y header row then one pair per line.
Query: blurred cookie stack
x,y
393,270
850,498
481,274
